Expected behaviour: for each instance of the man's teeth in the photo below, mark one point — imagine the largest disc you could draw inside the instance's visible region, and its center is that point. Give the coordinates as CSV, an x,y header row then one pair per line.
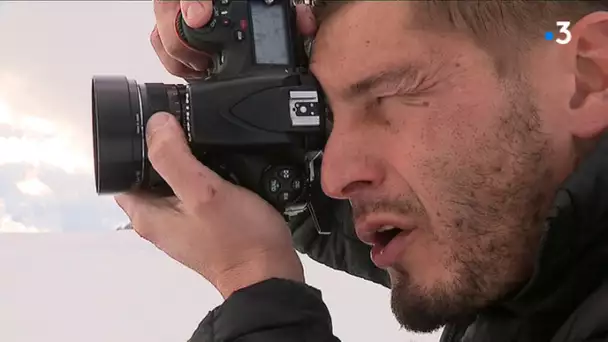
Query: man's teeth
x,y
385,229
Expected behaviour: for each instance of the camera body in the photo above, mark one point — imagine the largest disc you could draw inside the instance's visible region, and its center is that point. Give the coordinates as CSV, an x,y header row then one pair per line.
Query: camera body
x,y
259,119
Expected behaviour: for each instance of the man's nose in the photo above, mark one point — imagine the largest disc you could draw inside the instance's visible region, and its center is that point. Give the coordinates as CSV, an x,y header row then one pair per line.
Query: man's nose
x,y
351,164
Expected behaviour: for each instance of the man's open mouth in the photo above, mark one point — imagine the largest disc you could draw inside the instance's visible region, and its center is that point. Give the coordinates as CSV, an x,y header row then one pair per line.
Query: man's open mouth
x,y
386,234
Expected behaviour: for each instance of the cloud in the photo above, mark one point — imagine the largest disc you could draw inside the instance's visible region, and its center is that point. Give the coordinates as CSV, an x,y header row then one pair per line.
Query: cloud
x,y
46,169
34,187
46,178
34,140
69,204
8,225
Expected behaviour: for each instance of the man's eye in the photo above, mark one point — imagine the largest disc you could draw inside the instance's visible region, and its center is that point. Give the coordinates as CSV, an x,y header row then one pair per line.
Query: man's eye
x,y
407,99
399,96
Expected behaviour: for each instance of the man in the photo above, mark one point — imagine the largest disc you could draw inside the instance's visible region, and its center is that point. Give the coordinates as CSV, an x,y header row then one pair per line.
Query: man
x,y
472,151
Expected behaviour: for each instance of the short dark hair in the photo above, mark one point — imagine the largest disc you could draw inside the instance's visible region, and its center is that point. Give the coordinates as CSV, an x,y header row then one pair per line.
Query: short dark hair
x,y
501,28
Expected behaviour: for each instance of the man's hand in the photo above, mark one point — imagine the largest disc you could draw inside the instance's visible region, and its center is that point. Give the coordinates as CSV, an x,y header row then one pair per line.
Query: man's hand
x,y
341,250
227,234
177,57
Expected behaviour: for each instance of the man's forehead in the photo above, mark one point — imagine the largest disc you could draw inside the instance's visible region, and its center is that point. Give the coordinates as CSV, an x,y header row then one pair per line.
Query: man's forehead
x,y
382,17
364,38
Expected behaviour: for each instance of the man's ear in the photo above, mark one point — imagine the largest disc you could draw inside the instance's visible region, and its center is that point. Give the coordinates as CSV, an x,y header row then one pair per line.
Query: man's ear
x,y
589,102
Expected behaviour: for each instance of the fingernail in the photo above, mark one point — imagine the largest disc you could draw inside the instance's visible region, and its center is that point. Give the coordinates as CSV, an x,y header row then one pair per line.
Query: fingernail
x,y
157,122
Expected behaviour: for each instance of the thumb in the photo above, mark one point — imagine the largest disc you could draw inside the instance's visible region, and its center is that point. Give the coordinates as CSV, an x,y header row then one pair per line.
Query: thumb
x,y
170,155
196,13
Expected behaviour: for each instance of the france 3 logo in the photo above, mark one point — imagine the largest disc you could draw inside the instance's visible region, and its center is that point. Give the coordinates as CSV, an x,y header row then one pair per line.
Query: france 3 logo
x,y
563,36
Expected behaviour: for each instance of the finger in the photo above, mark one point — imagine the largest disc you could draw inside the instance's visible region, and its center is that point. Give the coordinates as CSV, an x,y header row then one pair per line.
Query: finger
x,y
161,222
166,13
173,66
150,216
306,20
196,13
170,156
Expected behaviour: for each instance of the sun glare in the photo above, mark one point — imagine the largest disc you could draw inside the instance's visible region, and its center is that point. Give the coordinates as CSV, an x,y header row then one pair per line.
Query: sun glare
x,y
39,142
33,187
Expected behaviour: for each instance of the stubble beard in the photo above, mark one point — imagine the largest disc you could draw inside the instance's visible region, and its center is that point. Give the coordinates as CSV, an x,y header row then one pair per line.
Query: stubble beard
x,y
495,227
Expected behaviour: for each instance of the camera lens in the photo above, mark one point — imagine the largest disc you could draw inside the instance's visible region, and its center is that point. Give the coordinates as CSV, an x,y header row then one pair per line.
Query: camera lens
x,y
117,134
121,109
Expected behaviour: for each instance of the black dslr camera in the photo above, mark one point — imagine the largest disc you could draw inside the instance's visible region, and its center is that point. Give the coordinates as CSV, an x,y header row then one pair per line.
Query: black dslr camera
x,y
259,120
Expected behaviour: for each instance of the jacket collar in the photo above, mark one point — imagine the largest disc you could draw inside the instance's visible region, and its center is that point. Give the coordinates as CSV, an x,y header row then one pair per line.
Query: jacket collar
x,y
574,247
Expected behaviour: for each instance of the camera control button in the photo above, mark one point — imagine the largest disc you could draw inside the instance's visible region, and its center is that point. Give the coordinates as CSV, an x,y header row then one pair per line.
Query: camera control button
x,y
239,35
225,21
274,185
224,2
285,197
285,173
296,184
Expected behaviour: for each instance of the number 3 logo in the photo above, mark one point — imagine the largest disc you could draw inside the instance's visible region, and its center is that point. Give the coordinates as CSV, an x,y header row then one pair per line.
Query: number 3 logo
x,y
564,28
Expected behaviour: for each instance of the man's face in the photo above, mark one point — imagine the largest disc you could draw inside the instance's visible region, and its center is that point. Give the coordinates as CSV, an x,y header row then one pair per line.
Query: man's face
x,y
428,138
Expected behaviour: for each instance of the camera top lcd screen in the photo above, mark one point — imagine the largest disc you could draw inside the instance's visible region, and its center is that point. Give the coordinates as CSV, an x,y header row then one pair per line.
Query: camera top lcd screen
x,y
270,33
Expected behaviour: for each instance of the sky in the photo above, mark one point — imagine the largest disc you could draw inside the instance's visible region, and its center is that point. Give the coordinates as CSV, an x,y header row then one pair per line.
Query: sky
x,y
65,273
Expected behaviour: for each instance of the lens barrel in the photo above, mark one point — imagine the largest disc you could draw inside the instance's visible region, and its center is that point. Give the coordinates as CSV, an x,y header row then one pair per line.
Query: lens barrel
x,y
121,109
118,135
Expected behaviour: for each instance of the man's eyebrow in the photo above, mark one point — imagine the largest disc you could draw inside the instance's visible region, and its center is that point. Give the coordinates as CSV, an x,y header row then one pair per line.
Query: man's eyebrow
x,y
404,76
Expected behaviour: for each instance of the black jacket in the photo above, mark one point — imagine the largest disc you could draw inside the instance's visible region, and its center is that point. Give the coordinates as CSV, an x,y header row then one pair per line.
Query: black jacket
x,y
566,300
